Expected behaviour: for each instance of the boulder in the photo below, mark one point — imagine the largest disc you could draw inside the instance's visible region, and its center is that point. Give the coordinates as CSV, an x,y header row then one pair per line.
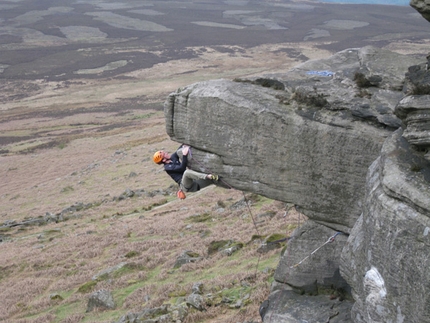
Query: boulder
x,y
338,139
309,143
186,257
101,299
224,247
422,6
163,314
288,306
196,301
417,79
311,262
197,288
386,259
415,113
149,315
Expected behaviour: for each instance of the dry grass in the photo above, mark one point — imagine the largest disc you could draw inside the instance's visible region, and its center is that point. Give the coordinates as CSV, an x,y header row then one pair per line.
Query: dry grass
x,y
33,266
82,147
146,232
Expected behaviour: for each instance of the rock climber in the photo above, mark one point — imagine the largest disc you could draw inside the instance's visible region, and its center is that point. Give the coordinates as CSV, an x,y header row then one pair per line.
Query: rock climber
x,y
187,179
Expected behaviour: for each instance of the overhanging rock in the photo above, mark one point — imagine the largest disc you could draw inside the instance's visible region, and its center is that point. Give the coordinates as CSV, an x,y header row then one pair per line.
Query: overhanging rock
x,y
305,137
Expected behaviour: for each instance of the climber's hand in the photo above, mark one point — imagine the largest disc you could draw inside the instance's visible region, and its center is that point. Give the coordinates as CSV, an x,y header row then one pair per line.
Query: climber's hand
x,y
185,150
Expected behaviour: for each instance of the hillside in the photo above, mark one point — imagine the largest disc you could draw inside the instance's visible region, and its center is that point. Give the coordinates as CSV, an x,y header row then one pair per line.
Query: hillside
x,y
76,157
79,193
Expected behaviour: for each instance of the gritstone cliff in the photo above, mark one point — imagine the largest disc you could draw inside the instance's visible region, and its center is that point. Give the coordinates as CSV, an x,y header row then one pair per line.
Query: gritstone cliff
x,y
347,140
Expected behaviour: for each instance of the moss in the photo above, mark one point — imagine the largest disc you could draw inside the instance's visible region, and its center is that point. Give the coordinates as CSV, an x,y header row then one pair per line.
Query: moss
x,y
200,218
257,237
291,226
128,268
274,84
239,245
275,237
415,168
214,246
283,250
214,300
62,145
178,293
312,99
192,254
232,295
421,89
87,287
131,254
220,203
239,80
264,82
361,80
254,198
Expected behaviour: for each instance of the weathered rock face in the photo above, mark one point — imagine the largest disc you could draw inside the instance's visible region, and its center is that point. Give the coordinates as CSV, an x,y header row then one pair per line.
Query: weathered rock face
x,y
386,260
415,112
305,137
422,6
321,270
308,137
298,308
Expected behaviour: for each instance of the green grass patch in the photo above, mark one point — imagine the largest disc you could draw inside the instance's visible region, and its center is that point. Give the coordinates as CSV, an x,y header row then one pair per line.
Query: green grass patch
x,y
258,201
62,145
120,295
270,262
236,293
142,116
127,269
65,310
87,287
214,246
205,217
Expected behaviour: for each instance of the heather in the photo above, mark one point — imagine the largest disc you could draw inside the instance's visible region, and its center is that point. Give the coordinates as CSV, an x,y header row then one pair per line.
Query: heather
x,y
113,206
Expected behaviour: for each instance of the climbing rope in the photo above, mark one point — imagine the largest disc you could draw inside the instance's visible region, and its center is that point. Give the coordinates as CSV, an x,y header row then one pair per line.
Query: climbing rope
x,y
231,187
331,239
246,202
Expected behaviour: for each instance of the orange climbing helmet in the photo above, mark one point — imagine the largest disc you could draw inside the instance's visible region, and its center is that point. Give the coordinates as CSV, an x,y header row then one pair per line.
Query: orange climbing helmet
x,y
158,157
